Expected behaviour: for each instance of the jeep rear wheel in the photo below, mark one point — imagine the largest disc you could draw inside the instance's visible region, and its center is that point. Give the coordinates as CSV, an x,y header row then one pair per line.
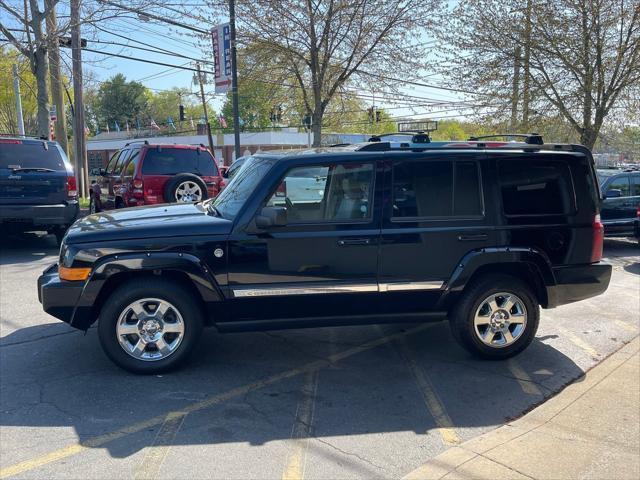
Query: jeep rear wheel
x,y
150,325
497,317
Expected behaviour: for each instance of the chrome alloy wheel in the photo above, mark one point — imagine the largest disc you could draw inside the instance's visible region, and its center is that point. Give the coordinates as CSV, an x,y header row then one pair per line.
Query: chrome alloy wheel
x,y
188,191
150,329
500,320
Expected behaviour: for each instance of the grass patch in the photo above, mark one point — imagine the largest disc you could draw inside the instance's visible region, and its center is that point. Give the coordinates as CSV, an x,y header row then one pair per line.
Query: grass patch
x,y
84,202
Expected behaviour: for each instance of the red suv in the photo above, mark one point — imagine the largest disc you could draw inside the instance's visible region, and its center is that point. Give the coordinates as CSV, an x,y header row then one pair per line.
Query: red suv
x,y
144,174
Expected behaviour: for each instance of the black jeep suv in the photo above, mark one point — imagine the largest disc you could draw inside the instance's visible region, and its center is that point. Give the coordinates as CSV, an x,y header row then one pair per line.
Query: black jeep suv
x,y
37,187
480,232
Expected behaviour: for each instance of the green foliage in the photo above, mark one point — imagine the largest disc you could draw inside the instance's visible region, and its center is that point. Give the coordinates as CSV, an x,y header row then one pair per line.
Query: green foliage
x,y
118,100
8,117
255,102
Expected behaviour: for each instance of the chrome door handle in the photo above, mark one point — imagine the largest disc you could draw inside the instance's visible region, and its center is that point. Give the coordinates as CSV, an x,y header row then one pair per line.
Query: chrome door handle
x,y
354,241
472,238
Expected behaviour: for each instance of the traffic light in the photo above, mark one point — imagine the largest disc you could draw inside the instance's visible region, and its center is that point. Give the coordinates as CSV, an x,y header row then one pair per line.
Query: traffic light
x,y
182,117
370,113
378,116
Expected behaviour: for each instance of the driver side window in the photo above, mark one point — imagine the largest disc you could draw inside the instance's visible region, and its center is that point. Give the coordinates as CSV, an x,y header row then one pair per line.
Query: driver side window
x,y
336,193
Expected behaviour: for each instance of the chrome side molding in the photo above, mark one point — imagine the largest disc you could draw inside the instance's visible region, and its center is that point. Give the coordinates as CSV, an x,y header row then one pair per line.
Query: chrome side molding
x,y
337,288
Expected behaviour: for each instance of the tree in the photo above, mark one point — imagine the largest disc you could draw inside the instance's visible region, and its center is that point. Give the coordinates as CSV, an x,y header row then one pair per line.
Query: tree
x,y
166,104
323,45
8,116
577,59
35,49
120,101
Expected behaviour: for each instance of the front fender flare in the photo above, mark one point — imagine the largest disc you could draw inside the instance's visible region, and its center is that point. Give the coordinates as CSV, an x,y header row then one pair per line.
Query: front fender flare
x,y
85,311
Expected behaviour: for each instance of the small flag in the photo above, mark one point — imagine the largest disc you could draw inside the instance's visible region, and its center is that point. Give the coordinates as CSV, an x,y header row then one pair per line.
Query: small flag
x,y
222,121
154,124
87,131
192,124
170,123
108,131
117,126
97,128
127,126
137,123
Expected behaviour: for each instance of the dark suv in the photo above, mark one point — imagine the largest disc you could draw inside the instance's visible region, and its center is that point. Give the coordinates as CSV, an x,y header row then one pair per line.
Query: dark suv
x,y
621,201
481,233
37,187
144,174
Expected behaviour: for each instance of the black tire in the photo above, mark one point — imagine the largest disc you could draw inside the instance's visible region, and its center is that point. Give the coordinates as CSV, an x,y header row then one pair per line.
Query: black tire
x,y
179,297
172,186
461,317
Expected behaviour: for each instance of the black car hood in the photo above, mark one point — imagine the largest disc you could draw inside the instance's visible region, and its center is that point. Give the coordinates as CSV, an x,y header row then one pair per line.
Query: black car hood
x,y
155,221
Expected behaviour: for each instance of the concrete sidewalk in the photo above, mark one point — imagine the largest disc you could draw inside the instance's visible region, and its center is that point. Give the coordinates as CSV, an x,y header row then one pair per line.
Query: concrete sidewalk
x,y
590,430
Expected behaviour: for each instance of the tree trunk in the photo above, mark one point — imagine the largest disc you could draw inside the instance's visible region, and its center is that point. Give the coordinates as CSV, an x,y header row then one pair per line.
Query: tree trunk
x,y
316,128
40,69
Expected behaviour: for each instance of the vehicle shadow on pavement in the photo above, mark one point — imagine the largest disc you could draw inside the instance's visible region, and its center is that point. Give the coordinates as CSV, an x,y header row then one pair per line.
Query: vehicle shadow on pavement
x,y
249,387
27,247
633,268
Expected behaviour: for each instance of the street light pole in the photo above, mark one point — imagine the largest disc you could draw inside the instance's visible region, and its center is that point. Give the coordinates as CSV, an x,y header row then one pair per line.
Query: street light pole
x,y
234,78
16,89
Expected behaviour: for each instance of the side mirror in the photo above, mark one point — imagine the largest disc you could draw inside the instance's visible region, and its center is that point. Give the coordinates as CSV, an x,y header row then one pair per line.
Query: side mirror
x,y
613,193
272,217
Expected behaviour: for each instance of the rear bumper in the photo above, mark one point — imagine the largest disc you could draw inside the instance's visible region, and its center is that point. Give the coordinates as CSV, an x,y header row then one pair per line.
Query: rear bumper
x,y
578,283
60,299
31,216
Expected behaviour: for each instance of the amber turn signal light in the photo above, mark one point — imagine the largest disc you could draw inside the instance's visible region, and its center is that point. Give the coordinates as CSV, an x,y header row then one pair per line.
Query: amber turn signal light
x,y
73,274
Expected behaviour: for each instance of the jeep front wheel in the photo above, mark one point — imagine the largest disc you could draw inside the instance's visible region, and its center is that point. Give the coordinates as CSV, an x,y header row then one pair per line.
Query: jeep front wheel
x,y
149,326
497,317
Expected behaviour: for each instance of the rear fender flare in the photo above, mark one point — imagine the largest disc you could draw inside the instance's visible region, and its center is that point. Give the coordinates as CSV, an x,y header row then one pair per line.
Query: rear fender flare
x,y
476,259
85,312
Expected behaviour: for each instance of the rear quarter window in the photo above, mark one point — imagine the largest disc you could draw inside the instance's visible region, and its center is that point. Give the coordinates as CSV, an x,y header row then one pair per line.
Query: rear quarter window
x,y
536,187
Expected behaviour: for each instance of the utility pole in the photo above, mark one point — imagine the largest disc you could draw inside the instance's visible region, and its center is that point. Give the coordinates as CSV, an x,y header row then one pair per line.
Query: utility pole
x,y
78,117
54,75
234,78
204,107
16,89
526,91
516,89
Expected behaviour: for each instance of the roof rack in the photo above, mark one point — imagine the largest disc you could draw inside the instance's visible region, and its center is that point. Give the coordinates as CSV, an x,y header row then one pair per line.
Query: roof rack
x,y
146,142
530,138
416,137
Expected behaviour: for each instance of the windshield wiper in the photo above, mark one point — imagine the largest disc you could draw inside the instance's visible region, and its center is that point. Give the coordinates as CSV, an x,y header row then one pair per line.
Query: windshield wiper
x,y
31,169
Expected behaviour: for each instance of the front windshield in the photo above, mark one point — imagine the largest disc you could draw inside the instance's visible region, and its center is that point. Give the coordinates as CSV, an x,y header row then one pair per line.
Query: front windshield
x,y
231,199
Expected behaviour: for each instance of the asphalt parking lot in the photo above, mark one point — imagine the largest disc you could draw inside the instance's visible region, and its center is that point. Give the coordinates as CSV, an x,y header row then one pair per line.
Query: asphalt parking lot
x,y
325,403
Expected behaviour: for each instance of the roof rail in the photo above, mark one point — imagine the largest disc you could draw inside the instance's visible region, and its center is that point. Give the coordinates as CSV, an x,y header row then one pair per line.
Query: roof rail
x,y
416,137
146,142
530,138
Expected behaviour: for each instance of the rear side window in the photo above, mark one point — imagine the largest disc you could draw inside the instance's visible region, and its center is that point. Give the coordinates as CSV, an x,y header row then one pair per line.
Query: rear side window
x,y
120,162
30,154
171,161
635,185
622,184
428,189
536,187
130,169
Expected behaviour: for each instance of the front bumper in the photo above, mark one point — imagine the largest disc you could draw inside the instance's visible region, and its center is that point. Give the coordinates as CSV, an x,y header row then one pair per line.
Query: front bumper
x,y
26,216
61,299
577,283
